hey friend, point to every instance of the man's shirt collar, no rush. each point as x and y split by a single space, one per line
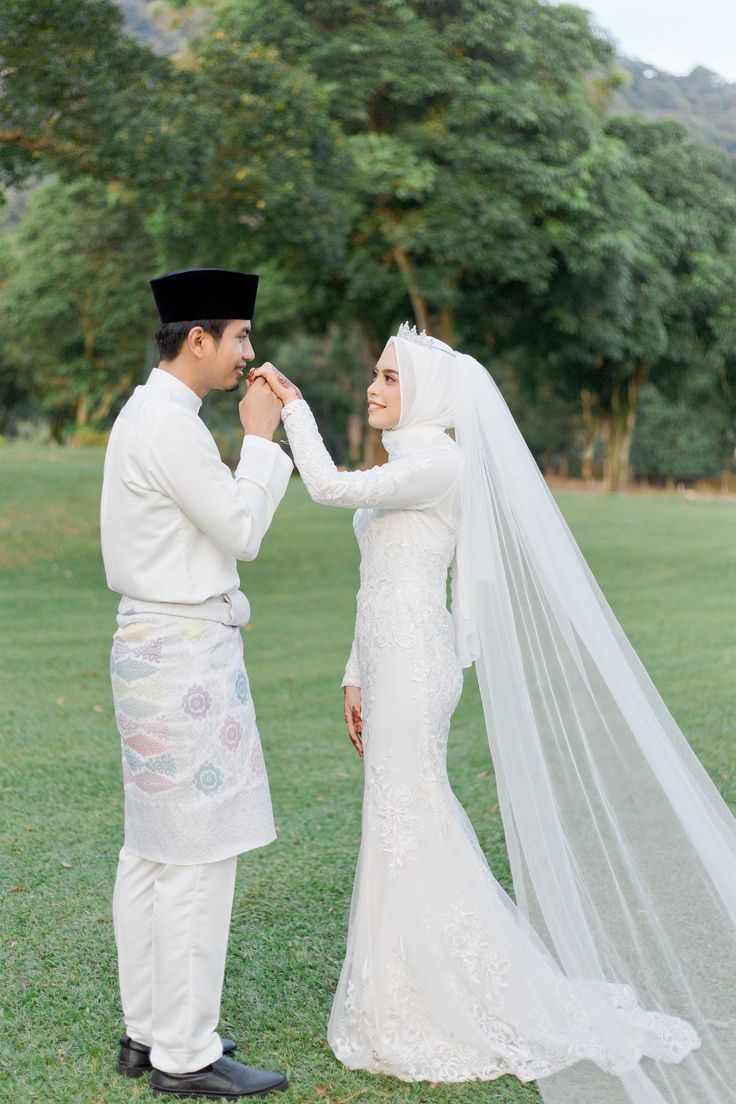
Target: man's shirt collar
165 381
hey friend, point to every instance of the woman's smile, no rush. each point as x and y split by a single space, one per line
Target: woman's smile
384 412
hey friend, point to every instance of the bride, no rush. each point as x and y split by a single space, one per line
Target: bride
612 977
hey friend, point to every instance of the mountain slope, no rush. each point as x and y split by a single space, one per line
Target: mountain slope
702 101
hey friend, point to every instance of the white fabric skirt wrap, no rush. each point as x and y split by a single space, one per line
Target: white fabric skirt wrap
196 788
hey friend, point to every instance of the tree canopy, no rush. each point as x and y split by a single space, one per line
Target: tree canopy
448 161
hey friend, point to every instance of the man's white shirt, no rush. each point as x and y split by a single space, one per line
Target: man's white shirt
174 519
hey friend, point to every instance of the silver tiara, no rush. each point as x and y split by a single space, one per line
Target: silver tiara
410 333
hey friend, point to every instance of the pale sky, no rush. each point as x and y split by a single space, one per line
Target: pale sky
675 35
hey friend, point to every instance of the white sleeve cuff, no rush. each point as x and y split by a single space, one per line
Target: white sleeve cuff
352 669
264 462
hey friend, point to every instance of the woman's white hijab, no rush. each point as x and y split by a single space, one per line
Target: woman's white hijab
426 379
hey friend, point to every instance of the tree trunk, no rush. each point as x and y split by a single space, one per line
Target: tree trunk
108 398
373 451
82 414
446 326
564 470
418 305
355 437
592 426
729 460
624 403
56 427
89 350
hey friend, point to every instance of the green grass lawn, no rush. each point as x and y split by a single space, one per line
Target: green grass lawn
667 565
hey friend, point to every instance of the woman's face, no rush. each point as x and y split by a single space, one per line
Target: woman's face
384 393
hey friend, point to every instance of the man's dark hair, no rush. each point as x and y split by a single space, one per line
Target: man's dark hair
171 336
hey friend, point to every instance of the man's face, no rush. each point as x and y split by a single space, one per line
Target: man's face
229 357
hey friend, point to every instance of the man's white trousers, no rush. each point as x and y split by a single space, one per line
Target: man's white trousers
171 929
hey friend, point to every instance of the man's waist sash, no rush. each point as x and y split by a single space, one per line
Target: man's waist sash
231 608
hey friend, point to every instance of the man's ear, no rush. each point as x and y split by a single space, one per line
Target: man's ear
196 341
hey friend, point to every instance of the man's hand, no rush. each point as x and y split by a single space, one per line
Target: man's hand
281 386
353 717
260 410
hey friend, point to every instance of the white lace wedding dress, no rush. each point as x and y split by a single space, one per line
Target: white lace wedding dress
443 979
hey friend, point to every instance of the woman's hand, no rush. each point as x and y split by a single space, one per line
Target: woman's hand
282 387
353 718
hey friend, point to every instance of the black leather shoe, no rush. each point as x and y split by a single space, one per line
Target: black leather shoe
134 1058
223 1080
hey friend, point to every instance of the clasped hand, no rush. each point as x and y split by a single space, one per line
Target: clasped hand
280 384
268 392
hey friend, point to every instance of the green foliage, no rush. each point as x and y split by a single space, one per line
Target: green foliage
87 437
227 147
75 316
549 421
642 273
271 187
333 388
459 157
685 438
638 270
83 97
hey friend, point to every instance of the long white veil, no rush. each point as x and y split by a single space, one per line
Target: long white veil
622 851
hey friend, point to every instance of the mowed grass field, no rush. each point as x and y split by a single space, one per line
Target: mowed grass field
668 567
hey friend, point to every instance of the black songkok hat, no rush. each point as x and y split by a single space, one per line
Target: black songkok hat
204 293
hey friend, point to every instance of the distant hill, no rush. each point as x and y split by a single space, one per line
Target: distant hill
703 102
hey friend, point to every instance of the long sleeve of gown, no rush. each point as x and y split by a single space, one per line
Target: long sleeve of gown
352 669
411 482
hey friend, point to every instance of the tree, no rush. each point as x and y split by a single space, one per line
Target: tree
229 148
723 323
638 276
274 188
671 444
465 123
446 160
75 315
80 96
217 167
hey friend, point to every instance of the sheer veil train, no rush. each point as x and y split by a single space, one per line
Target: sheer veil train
623 853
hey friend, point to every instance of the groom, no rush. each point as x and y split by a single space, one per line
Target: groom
174 520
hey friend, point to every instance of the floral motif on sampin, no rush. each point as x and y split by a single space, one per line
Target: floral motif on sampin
209 779
196 702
